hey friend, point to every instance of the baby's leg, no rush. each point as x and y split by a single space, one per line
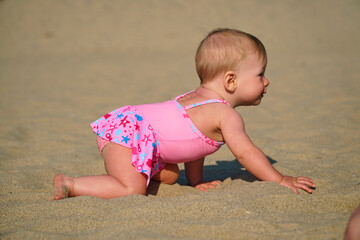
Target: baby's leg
122 178
168 175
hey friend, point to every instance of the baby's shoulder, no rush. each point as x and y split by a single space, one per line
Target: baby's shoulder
230 117
227 111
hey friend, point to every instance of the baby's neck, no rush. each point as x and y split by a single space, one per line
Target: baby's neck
208 91
213 90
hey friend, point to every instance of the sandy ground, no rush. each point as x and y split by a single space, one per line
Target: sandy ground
65 63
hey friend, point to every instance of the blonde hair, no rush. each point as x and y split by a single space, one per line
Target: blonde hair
223 49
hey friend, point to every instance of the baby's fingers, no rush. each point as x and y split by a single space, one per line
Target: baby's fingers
201 188
216 182
205 186
295 186
304 187
305 180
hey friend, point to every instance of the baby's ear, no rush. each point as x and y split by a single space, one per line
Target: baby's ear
230 81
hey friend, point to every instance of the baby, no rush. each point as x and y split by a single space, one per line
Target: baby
352 231
144 142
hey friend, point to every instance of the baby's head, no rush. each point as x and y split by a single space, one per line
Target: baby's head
223 50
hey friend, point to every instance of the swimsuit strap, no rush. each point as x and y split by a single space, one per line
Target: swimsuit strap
200 103
178 97
206 102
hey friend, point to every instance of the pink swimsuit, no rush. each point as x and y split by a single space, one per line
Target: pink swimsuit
157 133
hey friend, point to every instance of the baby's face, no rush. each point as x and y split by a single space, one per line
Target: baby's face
251 81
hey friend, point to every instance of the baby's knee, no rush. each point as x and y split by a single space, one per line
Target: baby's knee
135 190
172 173
168 175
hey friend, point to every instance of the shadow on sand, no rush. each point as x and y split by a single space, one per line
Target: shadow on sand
221 171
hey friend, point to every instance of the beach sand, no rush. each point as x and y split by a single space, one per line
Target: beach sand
64 64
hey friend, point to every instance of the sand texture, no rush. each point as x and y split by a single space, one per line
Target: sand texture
63 64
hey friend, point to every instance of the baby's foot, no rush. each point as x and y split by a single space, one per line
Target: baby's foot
62 187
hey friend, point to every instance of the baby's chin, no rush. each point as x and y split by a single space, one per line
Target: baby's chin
257 102
253 102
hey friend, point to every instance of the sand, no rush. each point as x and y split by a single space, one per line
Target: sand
65 63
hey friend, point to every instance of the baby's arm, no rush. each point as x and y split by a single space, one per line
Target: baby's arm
252 158
194 175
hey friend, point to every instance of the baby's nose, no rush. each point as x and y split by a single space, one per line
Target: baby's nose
266 82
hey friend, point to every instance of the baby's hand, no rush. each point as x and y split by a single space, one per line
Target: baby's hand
297 182
207 185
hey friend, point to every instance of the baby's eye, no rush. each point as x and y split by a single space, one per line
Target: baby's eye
261 74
